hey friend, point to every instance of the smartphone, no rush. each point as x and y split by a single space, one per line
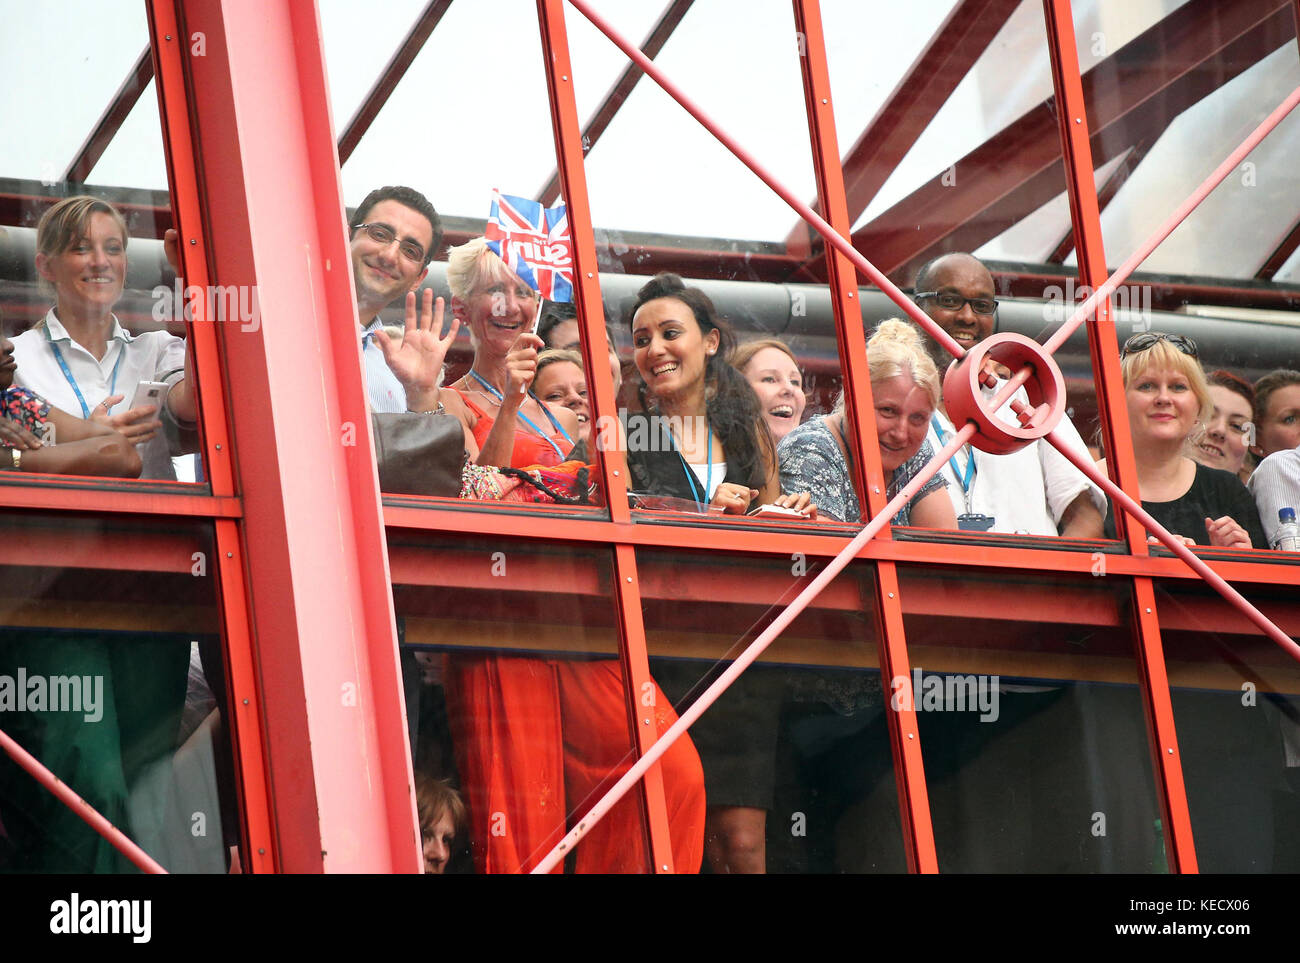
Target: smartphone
775 511
148 393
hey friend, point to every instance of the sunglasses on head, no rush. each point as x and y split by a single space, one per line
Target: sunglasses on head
1141 342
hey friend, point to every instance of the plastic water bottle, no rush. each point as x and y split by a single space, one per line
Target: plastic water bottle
1287 536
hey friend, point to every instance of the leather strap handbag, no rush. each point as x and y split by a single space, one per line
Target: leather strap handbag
418 454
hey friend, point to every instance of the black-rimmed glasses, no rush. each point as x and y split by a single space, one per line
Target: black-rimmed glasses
383 235
951 301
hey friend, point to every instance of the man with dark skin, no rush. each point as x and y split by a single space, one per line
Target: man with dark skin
1035 491
1006 804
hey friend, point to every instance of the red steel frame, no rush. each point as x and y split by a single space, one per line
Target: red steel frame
266 541
1085 212
613 467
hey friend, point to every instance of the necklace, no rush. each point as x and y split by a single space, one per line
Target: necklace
499 398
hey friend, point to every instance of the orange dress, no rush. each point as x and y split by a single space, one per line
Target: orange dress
539 741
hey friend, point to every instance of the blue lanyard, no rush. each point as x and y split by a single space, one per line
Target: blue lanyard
952 460
112 388
524 418
691 478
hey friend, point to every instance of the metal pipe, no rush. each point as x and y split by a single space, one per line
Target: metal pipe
85 810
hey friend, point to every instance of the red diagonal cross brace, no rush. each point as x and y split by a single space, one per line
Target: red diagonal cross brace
965 433
79 806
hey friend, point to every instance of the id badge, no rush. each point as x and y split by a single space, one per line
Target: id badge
975 523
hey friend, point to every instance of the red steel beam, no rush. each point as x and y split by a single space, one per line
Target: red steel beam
1085 216
621 90
633 653
820 540
1174 64
913 798
245 722
924 88
338 757
93 818
1105 194
391 76
1280 254
106 128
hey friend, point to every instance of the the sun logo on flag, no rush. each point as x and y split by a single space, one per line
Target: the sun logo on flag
534 243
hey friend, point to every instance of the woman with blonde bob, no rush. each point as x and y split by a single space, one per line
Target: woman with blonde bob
81 359
1168 404
905 390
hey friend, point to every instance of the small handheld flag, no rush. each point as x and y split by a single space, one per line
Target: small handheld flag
534 243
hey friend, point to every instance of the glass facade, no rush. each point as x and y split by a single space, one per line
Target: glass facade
396 565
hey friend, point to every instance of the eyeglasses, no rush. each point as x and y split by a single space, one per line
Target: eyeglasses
950 301
1141 342
383 235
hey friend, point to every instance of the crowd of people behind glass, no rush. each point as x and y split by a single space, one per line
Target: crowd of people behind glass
715 427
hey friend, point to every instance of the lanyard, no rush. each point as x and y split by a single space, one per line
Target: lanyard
524 418
952 460
691 478
67 373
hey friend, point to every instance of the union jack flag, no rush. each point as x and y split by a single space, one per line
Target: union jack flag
534 242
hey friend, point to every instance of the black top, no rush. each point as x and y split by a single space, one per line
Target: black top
656 465
1214 493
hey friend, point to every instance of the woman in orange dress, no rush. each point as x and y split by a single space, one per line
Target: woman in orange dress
537 740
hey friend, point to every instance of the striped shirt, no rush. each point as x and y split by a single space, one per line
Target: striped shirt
1276 484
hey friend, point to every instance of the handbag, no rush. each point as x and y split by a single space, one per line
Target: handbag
418 454
564 484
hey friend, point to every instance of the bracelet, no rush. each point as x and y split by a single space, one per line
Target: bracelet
17 457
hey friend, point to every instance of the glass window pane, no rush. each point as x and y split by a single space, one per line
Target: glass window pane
112 674
1031 722
796 756
429 234
516 698
96 315
979 173
1236 702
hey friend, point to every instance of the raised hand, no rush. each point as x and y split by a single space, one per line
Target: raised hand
521 365
417 361
137 425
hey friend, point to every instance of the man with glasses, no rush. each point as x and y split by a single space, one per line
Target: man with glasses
394 234
1034 491
1009 792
